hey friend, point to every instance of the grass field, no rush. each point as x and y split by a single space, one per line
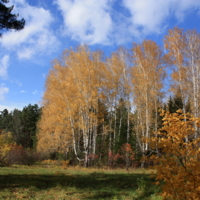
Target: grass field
36 182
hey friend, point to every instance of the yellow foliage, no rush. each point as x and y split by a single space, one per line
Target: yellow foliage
65 163
49 162
4 150
5 140
179 163
71 100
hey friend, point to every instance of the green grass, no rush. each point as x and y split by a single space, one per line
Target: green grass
21 182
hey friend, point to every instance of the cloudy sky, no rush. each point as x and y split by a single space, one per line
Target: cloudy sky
55 25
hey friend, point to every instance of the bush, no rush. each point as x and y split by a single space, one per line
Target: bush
179 163
6 140
30 157
15 155
4 150
18 155
125 157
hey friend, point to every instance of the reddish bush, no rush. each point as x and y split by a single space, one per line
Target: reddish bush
127 155
93 156
19 155
15 155
124 158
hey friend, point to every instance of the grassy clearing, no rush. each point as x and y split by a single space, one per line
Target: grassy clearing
21 182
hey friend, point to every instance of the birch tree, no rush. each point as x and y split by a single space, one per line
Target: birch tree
183 53
118 88
71 96
175 44
147 77
192 52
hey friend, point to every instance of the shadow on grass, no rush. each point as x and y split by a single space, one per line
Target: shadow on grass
97 185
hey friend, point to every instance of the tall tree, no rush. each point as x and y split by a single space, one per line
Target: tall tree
29 117
174 42
72 93
183 54
147 78
118 87
6 118
191 53
16 126
22 124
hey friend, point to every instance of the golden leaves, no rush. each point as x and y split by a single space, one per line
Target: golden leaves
179 161
71 98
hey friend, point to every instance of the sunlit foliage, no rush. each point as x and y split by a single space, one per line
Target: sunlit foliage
179 161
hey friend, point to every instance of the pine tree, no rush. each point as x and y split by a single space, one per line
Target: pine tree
8 20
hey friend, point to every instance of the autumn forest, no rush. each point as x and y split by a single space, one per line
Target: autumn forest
137 108
99 108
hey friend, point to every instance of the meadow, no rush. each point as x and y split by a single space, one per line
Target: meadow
74 183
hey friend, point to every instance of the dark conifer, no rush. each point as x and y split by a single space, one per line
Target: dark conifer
8 20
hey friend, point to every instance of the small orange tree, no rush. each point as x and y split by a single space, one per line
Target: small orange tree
127 154
6 139
178 165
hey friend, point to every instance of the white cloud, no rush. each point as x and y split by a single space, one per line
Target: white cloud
22 91
35 92
16 81
87 21
3 91
26 52
10 108
182 7
149 16
99 22
92 22
36 37
4 63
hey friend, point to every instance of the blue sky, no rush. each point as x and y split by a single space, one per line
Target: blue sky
55 25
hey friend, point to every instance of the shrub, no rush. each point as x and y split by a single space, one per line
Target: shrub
127 155
4 150
179 163
6 140
113 159
18 155
65 163
30 157
15 155
124 158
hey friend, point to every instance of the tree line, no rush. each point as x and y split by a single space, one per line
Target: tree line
93 105
22 124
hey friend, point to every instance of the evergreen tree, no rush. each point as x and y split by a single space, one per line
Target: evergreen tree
122 117
8 20
175 104
16 126
30 115
22 124
5 120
